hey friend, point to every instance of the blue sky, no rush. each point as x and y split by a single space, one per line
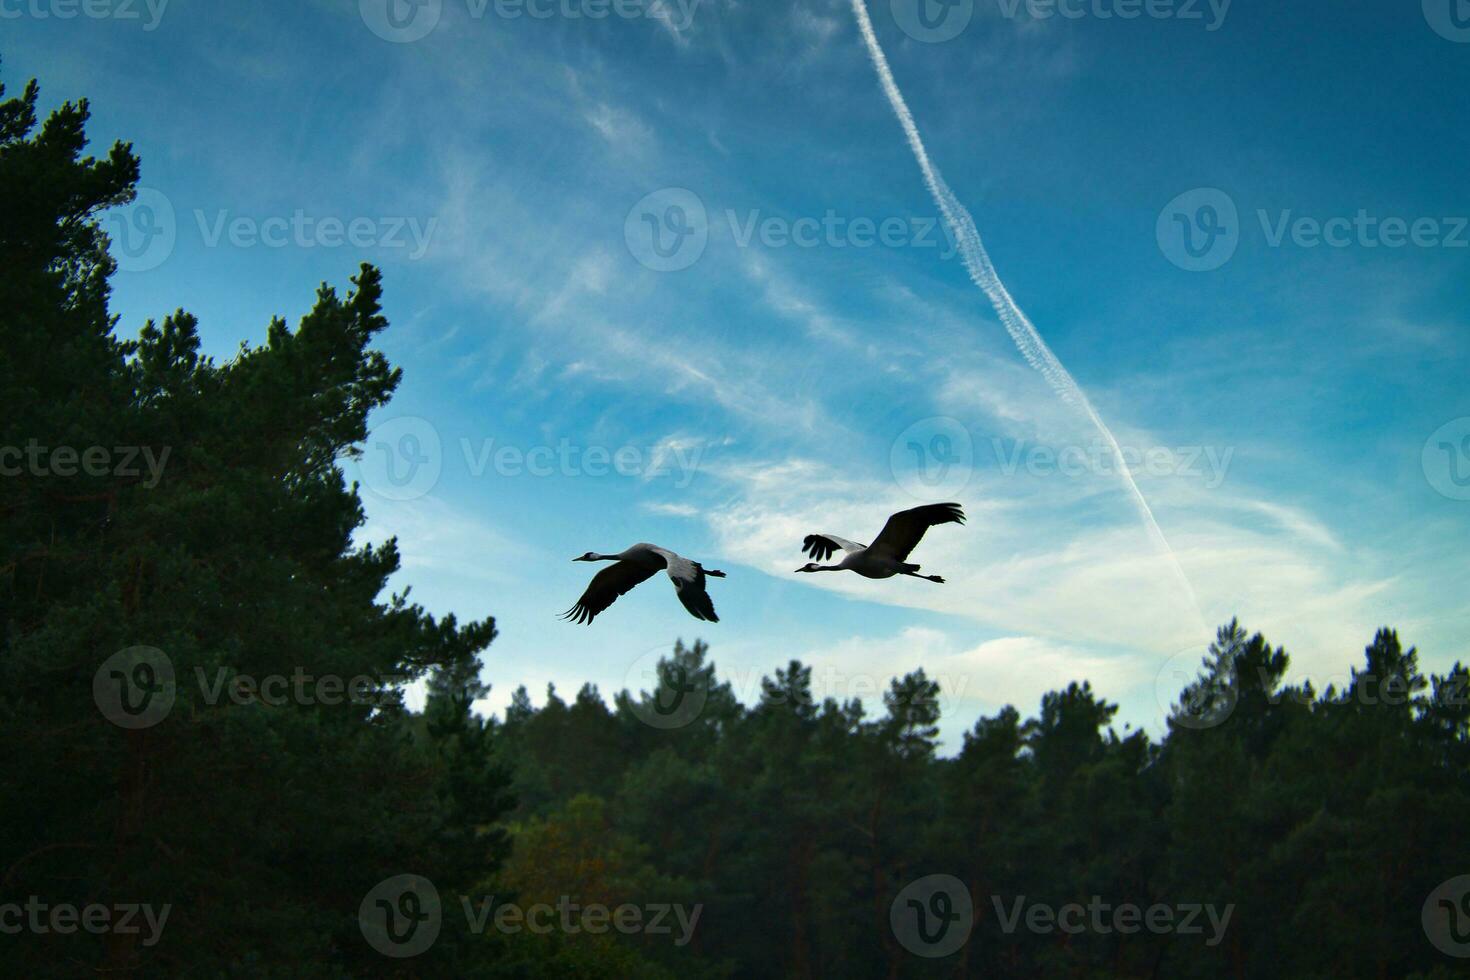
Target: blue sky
1284 407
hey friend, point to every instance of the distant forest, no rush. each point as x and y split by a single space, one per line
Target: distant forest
168 813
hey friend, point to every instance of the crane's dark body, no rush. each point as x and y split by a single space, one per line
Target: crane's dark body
636 565
887 555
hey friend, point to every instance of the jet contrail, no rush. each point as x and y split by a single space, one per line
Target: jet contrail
982 272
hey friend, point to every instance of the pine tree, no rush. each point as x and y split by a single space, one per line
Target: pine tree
282 780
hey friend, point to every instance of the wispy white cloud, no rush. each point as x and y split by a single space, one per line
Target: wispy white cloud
973 679
815 29
621 128
788 300
676 17
445 541
671 510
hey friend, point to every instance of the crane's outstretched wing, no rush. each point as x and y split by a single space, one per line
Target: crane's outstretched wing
688 579
822 546
607 585
905 529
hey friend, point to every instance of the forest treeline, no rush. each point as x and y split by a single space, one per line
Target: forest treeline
168 812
